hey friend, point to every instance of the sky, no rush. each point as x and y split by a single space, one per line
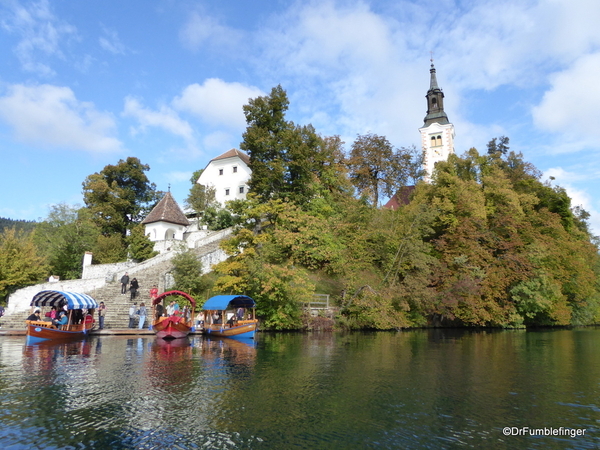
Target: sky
84 84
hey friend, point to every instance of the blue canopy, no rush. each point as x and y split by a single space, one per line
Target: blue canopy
73 300
221 302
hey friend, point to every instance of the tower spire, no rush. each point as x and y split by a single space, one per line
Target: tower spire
435 101
437 134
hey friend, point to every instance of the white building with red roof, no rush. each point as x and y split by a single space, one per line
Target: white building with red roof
166 221
228 174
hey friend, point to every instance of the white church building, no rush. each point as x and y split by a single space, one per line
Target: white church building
228 174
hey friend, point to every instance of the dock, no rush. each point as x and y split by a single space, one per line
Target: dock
104 332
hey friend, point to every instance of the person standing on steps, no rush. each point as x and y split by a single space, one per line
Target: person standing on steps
124 283
101 314
153 294
133 288
142 315
132 315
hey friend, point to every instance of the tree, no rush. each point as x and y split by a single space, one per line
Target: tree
263 140
64 236
120 196
200 196
140 246
20 262
187 272
376 168
110 249
288 161
498 145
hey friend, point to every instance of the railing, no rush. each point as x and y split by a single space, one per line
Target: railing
320 301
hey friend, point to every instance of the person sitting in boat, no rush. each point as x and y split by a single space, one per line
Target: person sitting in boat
77 316
231 321
217 318
171 309
63 319
159 311
35 315
240 313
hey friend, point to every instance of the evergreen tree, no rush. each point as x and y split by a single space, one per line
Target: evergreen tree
140 246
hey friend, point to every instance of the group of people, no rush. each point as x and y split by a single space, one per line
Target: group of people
134 286
137 313
57 317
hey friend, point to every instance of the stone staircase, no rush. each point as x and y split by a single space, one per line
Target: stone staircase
117 304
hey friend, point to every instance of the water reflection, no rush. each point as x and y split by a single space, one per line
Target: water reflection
422 389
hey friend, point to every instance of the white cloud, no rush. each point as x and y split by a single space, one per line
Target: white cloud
217 102
571 104
164 118
111 42
178 176
218 142
40 34
579 197
47 115
204 31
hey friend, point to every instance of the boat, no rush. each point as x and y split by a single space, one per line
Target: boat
45 330
228 316
175 326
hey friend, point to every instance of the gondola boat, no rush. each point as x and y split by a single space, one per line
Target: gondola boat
42 330
222 317
175 326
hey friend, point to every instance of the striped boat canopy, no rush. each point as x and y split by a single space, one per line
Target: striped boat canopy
73 300
222 302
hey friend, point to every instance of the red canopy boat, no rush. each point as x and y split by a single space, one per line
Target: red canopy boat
174 326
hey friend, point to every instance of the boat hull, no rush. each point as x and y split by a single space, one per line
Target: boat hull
244 331
171 327
39 331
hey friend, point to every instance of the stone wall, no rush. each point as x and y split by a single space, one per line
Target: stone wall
19 300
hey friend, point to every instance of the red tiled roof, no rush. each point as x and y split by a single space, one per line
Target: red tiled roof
167 210
233 153
400 198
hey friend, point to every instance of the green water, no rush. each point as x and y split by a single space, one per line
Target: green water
417 389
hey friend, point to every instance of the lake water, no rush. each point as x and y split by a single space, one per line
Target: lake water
415 389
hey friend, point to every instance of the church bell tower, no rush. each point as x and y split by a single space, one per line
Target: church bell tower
437 133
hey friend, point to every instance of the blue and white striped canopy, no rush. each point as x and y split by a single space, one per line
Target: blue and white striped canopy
73 300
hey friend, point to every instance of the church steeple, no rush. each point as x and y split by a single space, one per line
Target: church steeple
437 134
435 102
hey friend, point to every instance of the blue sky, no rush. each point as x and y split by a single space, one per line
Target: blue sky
84 84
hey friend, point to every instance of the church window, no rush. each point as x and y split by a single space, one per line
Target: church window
241 189
220 171
436 141
226 191
234 169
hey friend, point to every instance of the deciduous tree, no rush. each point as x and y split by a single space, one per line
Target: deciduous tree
20 261
120 195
